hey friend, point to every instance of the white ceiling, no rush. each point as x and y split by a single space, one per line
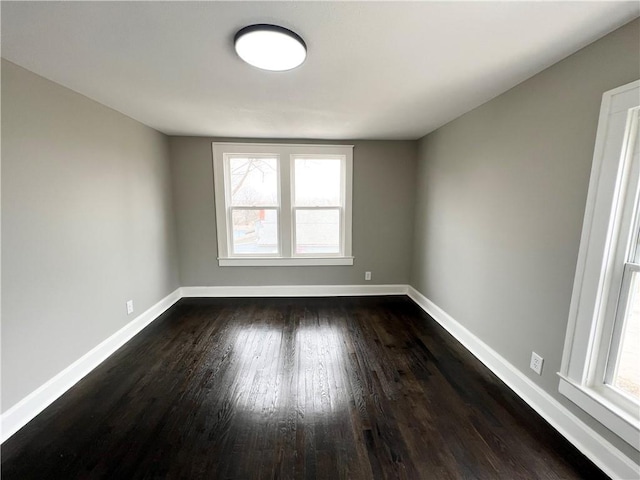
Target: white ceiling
375 70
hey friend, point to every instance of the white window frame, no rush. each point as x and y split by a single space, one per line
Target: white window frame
599 284
286 153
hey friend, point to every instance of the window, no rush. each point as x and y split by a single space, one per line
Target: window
280 204
601 362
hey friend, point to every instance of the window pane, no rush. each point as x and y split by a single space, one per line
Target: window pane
254 181
317 231
255 232
317 182
627 376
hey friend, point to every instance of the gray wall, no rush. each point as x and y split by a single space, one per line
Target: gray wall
87 224
501 195
383 201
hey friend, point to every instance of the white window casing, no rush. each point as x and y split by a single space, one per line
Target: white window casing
605 267
285 207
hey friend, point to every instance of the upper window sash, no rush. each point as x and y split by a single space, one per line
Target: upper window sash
269 162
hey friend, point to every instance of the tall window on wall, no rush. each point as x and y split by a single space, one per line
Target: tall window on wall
283 204
601 363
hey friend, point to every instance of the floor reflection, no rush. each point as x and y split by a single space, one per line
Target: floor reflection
282 370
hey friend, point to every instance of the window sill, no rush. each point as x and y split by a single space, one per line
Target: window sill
599 407
284 262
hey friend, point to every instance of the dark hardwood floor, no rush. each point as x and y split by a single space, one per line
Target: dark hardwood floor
324 388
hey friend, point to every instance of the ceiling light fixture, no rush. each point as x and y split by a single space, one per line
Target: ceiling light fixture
270 47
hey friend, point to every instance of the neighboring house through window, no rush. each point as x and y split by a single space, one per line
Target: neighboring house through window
283 204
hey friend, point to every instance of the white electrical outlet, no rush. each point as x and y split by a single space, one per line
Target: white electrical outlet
129 307
367 275
536 363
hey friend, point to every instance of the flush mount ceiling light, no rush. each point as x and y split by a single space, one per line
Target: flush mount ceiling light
270 47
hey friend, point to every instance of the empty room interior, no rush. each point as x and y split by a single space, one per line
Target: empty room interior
320 240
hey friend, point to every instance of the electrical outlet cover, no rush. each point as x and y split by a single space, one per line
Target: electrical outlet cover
536 363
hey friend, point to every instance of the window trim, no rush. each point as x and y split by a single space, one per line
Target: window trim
590 323
286 154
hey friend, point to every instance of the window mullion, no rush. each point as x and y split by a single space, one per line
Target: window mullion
286 212
228 242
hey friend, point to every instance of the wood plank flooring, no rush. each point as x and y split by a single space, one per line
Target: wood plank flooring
326 388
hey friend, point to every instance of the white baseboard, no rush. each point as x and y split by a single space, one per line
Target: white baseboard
590 443
26 409
294 291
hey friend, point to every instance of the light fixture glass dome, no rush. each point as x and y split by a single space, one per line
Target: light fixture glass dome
270 47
